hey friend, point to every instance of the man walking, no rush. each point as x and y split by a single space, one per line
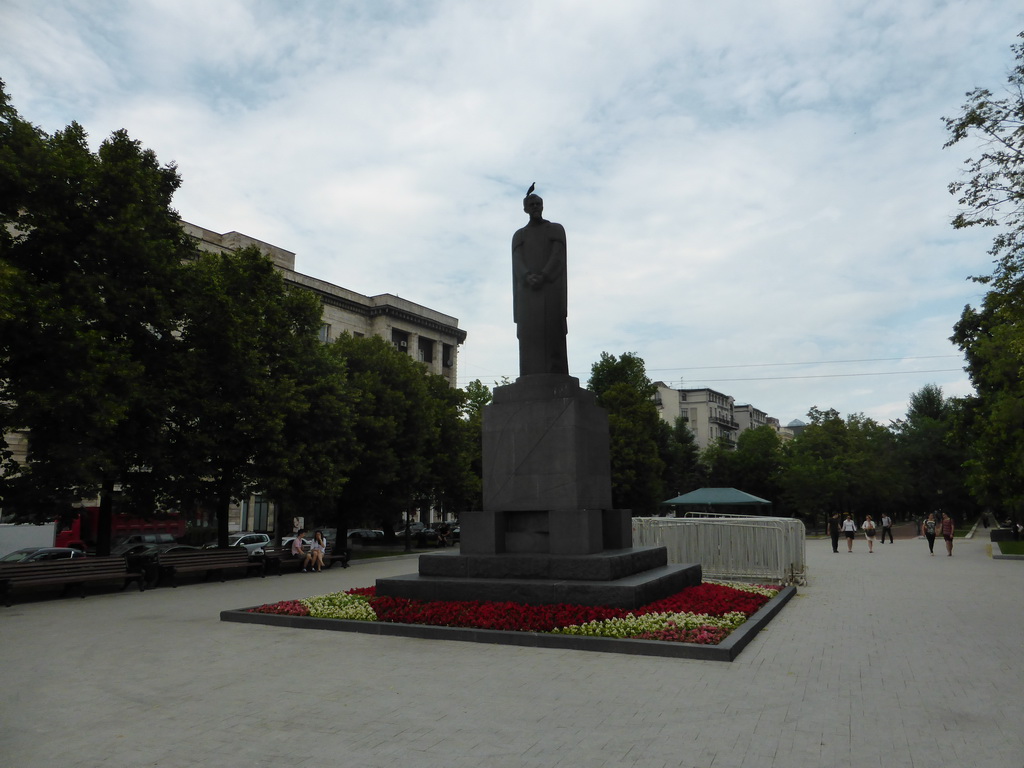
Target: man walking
887 527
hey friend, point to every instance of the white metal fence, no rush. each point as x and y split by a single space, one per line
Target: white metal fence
763 549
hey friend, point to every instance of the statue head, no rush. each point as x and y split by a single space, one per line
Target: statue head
533 205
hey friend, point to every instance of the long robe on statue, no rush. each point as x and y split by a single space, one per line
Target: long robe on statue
540 297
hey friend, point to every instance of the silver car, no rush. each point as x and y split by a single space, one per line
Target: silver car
253 542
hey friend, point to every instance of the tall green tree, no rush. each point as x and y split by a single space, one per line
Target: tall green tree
453 484
678 449
991 194
305 472
90 250
623 388
239 378
758 465
840 465
477 397
932 448
394 430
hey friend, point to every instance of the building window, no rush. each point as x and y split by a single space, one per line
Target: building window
426 350
325 333
448 355
261 514
400 339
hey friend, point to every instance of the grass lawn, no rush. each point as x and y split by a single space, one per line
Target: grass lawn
1011 547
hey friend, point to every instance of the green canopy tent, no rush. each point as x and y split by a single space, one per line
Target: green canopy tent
718 501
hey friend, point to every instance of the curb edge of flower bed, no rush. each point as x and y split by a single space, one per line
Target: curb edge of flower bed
727 650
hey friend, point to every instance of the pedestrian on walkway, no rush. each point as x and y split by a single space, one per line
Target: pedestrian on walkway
835 526
849 530
947 532
869 533
887 527
929 532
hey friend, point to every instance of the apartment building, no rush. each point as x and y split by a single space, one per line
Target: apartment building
712 415
709 413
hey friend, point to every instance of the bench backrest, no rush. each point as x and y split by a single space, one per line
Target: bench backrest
235 554
84 566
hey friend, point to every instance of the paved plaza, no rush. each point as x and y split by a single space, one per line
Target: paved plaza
886 659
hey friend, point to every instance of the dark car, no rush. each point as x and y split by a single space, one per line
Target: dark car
362 535
36 554
136 542
144 560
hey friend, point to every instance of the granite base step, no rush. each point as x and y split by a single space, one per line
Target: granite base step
628 592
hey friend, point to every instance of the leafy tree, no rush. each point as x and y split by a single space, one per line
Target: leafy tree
453 483
394 430
838 465
678 449
931 447
239 379
90 252
759 462
992 337
308 468
992 192
623 388
476 396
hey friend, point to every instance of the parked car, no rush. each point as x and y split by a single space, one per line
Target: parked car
365 535
143 540
144 560
253 542
36 554
426 537
414 528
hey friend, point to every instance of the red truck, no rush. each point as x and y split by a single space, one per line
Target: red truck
79 530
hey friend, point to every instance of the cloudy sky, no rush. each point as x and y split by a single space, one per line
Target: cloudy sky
754 191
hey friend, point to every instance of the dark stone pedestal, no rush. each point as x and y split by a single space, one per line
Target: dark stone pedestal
625 578
547 533
545 447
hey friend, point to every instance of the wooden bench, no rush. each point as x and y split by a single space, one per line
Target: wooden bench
278 559
73 572
208 561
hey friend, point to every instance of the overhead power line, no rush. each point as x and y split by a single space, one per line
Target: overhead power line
809 362
827 375
581 374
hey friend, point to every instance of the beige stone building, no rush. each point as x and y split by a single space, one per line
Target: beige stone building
425 334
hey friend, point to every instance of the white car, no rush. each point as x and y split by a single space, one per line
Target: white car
253 542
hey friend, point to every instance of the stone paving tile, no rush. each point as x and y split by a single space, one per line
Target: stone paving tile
889 659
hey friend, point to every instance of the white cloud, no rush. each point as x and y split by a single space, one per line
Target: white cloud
742 183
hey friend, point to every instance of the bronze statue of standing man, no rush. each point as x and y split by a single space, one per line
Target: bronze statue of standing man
539 292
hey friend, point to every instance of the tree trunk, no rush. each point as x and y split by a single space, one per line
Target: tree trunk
105 519
223 508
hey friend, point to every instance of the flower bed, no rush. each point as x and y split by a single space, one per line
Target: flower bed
705 614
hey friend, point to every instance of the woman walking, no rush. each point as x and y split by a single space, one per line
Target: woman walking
929 532
947 532
849 530
869 533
